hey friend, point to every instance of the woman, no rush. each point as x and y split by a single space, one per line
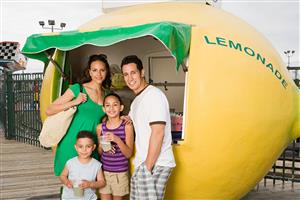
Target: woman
95 81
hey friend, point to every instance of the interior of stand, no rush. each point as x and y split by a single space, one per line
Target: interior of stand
159 66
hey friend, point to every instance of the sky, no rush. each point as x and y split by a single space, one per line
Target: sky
19 19
277 20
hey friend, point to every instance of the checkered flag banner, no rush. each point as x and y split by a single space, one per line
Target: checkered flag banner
10 56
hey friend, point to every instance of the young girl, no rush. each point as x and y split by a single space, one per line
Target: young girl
82 174
115 161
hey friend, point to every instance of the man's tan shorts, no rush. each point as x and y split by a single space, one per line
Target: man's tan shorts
117 183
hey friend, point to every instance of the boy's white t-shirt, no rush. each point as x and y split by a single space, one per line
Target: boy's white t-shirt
151 105
80 171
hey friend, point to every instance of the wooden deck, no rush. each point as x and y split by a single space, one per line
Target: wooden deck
26 172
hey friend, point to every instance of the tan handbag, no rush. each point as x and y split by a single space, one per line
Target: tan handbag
55 127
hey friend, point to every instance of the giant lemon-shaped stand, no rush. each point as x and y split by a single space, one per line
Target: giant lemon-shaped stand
241 109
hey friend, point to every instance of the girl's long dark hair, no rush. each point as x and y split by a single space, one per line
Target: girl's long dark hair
86 75
114 95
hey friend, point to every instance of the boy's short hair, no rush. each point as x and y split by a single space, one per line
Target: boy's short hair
85 134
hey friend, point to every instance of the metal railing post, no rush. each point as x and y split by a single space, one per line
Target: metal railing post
10 107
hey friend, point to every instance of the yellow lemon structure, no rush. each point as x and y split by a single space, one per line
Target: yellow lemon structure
241 108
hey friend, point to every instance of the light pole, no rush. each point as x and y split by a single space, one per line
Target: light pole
294 70
289 54
51 23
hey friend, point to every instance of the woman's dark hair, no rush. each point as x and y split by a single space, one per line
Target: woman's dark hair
132 59
86 75
85 134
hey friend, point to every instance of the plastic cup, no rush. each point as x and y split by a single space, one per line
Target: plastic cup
78 192
106 145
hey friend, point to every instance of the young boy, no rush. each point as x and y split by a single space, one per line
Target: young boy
83 169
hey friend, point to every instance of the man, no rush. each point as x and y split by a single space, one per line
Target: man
149 112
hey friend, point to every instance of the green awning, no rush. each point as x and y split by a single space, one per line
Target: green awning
175 36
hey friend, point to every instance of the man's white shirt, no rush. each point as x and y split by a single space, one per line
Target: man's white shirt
151 105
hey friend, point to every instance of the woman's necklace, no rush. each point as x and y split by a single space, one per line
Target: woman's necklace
98 97
91 88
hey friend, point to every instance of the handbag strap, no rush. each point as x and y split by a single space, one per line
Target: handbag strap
81 88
